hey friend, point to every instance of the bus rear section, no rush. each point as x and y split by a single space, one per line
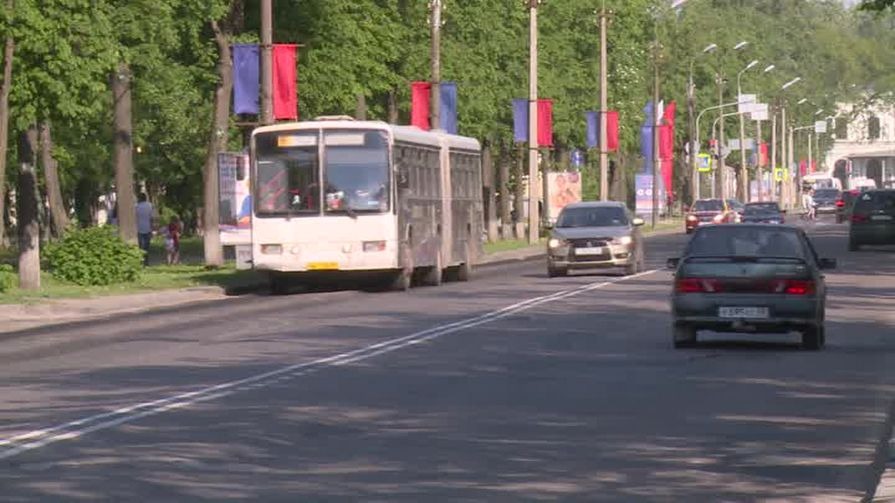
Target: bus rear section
323 201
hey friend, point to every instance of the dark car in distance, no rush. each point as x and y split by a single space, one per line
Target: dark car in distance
763 213
825 200
872 219
845 203
749 278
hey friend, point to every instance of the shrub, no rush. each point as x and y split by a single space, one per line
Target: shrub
8 278
94 256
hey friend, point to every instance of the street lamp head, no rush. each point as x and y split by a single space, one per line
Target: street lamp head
741 45
752 64
677 3
710 48
791 82
769 68
819 111
802 101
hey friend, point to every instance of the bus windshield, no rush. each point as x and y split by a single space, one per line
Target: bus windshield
287 173
356 171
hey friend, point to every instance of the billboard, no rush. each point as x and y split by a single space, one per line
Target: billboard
563 188
235 200
643 189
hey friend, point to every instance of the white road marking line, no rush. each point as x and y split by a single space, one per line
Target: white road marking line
37 439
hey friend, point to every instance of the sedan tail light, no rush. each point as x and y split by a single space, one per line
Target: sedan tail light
711 285
859 218
840 203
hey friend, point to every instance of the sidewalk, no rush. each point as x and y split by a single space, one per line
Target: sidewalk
16 317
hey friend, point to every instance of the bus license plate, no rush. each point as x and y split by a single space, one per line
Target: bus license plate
744 312
323 266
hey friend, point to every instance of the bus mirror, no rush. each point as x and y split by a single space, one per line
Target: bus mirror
403 180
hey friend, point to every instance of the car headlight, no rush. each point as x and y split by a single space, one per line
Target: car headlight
554 243
692 218
624 240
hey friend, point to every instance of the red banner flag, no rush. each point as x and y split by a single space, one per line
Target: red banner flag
419 104
545 123
285 93
666 146
763 155
612 131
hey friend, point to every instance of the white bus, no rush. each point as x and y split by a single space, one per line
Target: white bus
335 196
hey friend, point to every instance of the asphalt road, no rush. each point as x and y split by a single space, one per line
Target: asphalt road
512 387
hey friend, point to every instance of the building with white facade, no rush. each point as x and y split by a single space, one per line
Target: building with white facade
863 152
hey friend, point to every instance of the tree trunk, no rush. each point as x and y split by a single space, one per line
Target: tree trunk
214 254
58 213
503 188
360 111
124 154
5 86
393 106
27 214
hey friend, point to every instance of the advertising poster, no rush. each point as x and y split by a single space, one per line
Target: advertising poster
643 189
563 188
235 199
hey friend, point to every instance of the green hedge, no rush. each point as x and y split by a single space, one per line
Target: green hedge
94 256
8 278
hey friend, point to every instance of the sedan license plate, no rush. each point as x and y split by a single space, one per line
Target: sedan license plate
881 218
744 312
590 251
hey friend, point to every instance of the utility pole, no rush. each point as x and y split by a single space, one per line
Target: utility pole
743 186
691 125
604 152
435 61
773 153
810 158
266 62
783 193
719 170
793 190
533 223
758 176
655 123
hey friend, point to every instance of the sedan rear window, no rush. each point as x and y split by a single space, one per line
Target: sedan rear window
708 205
761 208
876 201
742 241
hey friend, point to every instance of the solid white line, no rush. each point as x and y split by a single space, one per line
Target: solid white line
42 437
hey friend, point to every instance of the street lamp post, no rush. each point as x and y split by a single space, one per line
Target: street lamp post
720 172
783 141
691 112
743 186
533 223
758 142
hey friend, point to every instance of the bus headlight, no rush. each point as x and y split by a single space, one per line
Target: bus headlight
272 249
374 246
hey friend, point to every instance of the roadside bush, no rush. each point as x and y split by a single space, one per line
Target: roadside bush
8 278
94 256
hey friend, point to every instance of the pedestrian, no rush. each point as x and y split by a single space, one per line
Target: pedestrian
144 225
172 240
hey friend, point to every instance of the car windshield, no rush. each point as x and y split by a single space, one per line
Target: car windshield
708 205
599 216
356 171
761 208
826 194
746 241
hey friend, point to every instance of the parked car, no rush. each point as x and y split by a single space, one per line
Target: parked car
872 219
595 235
749 278
825 200
844 205
763 213
707 212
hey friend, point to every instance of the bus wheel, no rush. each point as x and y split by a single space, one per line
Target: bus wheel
403 279
434 275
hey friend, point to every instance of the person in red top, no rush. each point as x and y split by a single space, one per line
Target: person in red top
172 241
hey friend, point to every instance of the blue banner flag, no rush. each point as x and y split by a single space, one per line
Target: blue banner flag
520 120
246 83
593 129
448 118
